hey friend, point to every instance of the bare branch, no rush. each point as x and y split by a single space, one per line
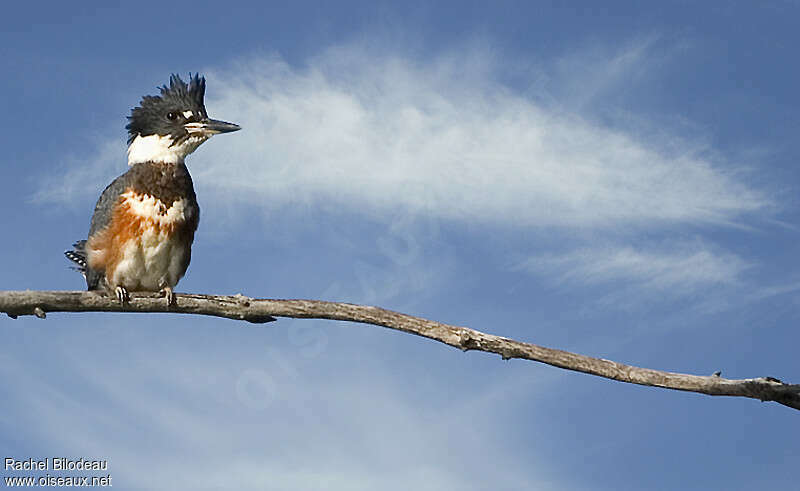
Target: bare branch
239 307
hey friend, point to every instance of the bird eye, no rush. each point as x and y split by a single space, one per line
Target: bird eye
172 116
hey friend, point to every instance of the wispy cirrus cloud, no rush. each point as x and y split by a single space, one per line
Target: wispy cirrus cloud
679 268
376 133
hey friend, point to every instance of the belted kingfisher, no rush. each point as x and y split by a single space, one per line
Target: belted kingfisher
143 226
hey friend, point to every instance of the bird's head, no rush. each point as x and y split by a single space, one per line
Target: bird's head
170 126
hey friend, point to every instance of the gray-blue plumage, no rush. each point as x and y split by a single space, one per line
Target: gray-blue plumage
105 204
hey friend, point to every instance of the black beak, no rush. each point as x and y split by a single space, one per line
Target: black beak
215 126
210 127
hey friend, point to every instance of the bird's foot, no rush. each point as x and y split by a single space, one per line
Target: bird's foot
167 292
122 294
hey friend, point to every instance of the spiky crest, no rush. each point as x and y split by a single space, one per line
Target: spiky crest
150 116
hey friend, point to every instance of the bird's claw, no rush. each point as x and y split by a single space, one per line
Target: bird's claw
167 292
122 294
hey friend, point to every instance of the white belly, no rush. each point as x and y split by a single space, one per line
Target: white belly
156 258
150 263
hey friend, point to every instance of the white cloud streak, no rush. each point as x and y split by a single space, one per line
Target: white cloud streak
678 268
81 178
375 134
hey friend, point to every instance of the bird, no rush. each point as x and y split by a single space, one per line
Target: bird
141 233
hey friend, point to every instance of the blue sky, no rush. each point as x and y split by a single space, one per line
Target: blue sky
618 181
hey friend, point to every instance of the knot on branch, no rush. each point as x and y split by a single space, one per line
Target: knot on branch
468 342
242 300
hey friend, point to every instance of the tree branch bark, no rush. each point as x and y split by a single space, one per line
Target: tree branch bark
239 307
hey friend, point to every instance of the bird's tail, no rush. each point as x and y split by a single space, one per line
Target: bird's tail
78 256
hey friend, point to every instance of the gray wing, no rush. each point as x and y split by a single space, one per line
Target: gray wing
103 211
105 204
